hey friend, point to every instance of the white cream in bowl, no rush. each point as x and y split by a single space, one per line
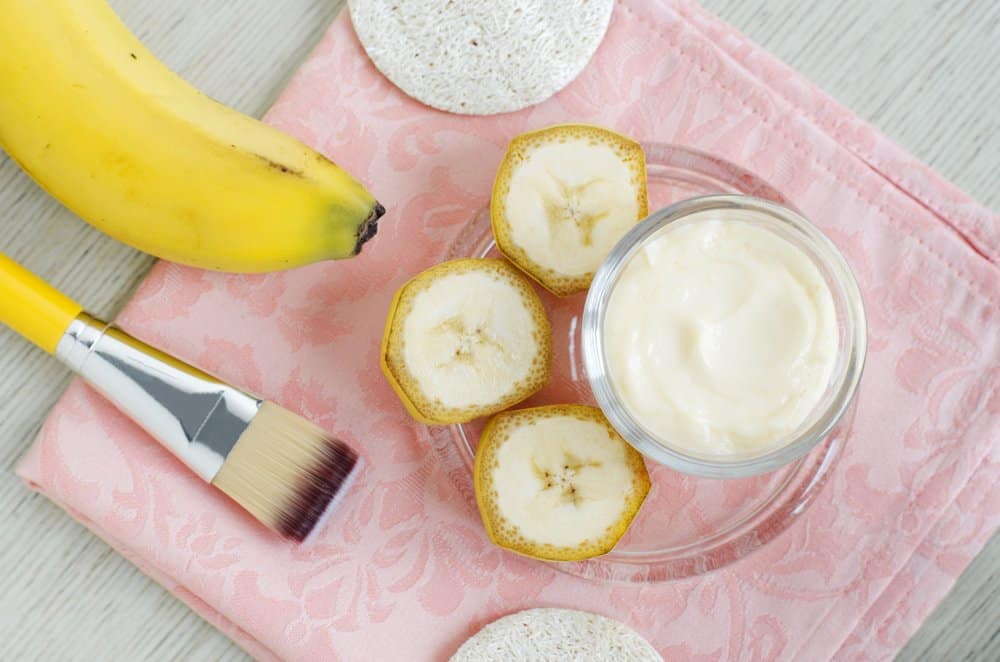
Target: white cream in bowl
721 336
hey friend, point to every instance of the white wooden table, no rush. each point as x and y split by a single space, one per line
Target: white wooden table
922 70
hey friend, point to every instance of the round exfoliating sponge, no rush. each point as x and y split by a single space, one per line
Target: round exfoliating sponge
535 635
480 57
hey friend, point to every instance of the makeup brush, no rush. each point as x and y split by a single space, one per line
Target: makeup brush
285 471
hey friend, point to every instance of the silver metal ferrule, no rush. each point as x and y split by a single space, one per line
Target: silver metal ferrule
197 417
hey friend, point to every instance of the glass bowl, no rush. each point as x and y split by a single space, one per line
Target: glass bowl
850 318
689 525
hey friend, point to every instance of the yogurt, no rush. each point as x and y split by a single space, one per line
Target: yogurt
721 336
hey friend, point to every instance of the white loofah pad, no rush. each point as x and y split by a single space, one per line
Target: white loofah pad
480 57
567 635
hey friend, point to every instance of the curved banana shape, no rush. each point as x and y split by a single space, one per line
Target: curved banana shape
130 147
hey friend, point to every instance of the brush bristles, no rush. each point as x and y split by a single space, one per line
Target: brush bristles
285 471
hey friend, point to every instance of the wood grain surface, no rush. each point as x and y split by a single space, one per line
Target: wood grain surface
924 71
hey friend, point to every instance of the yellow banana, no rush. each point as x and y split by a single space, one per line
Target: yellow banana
130 147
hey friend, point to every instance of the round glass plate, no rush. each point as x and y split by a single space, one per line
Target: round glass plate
688 525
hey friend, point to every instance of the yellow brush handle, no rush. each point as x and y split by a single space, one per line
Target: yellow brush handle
32 307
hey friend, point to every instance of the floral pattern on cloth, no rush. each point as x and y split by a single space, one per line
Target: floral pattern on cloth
404 569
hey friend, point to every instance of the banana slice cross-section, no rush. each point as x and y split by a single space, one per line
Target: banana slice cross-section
464 339
563 197
557 482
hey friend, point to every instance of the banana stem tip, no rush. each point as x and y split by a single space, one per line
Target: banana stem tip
369 228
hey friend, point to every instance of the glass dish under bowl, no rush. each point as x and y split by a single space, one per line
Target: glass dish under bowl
851 326
689 525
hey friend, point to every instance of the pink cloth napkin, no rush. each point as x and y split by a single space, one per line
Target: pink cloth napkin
404 570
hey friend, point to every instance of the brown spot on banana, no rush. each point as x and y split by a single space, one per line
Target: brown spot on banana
281 167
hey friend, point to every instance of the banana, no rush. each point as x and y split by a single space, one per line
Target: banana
563 197
464 339
557 483
130 147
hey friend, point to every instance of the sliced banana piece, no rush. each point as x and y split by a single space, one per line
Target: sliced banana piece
465 339
557 482
563 197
